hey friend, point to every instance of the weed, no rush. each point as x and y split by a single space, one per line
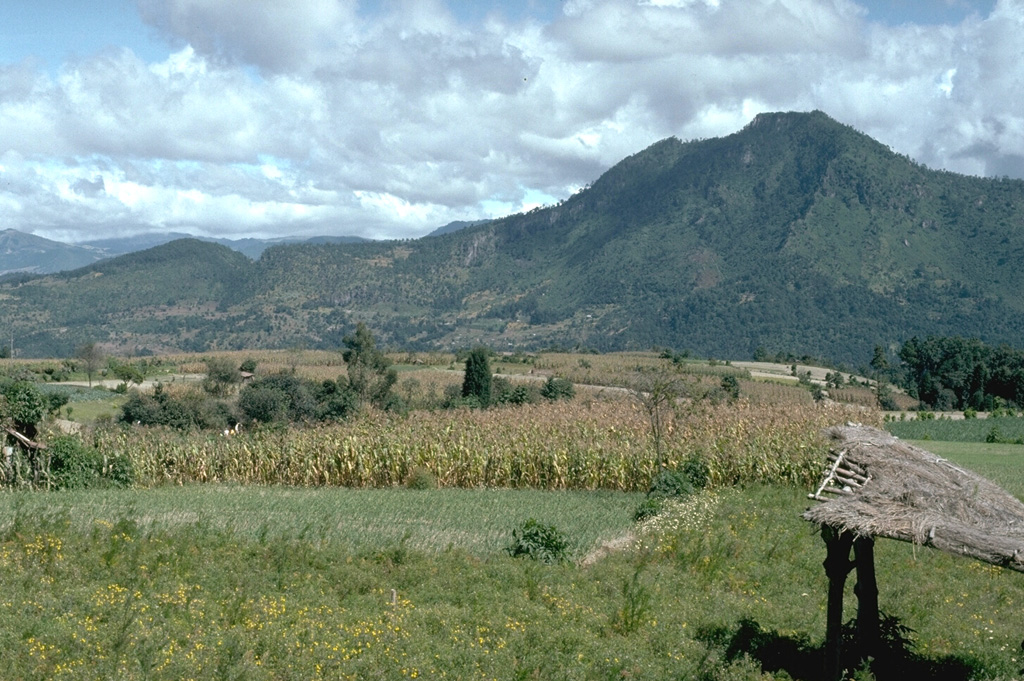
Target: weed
420 477
635 608
538 542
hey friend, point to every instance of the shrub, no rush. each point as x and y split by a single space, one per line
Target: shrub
264 404
184 411
73 465
556 388
696 470
670 483
420 477
24 405
504 392
538 542
731 386
648 508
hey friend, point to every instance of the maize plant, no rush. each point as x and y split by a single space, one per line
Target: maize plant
563 445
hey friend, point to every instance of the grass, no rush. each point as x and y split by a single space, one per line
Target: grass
962 430
477 521
1001 463
728 586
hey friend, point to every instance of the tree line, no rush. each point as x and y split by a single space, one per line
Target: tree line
947 373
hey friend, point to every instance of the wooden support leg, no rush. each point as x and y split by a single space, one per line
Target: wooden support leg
837 566
867 597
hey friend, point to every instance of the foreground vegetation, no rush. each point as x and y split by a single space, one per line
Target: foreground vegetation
726 585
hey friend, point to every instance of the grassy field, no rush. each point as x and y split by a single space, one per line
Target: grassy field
1001 463
1007 429
477 521
727 585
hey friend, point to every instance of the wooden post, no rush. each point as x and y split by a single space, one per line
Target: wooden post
867 597
837 566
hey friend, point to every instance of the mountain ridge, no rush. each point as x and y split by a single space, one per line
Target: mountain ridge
796 234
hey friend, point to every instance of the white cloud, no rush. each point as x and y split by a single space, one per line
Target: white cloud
322 116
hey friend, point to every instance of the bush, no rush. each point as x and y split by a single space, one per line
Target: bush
73 465
692 476
538 542
420 477
264 404
24 405
670 483
731 386
648 508
556 388
504 392
185 411
696 470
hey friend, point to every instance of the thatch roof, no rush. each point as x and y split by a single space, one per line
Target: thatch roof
880 486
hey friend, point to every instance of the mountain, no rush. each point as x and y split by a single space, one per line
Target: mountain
251 247
20 252
456 226
795 234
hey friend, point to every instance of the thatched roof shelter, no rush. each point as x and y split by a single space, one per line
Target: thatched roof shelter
880 486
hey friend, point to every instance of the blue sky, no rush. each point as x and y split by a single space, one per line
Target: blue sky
389 118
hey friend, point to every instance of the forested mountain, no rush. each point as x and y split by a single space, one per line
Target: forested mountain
795 234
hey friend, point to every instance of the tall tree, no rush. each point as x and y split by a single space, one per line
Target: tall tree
476 382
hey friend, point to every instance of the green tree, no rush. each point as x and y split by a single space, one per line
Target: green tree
476 382
126 372
557 388
221 376
23 406
370 375
731 385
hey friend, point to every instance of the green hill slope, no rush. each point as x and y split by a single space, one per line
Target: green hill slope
795 234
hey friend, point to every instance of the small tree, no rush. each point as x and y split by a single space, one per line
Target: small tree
557 388
369 372
880 363
221 375
476 382
126 372
657 394
731 386
23 406
92 359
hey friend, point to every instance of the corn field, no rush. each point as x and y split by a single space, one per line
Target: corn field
593 445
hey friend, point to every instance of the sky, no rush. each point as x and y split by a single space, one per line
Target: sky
389 118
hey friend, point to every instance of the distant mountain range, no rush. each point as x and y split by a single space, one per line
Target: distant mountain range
796 234
27 253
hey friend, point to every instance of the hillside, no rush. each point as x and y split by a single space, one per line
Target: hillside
795 234
20 252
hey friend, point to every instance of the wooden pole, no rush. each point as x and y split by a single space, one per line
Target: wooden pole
837 566
867 597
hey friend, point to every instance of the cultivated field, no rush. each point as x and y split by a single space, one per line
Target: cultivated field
297 553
